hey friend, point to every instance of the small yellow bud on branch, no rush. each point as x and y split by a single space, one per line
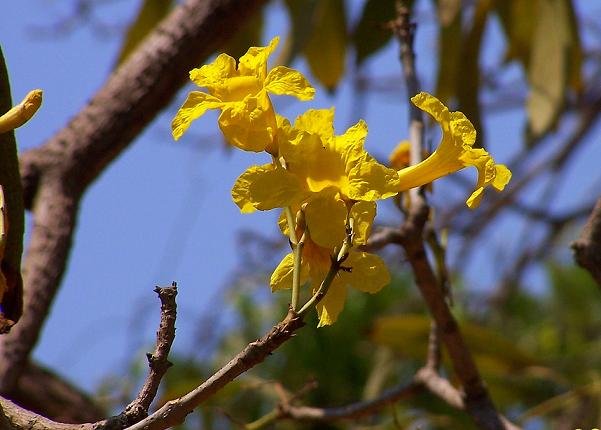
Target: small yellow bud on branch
22 112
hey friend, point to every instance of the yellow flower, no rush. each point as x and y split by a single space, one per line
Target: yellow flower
361 270
21 113
400 157
247 117
454 153
326 173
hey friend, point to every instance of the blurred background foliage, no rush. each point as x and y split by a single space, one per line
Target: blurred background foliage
537 348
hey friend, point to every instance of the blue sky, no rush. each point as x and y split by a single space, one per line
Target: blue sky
163 211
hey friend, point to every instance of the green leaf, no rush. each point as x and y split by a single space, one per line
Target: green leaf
469 69
449 51
408 335
150 14
518 19
326 48
301 14
370 35
553 42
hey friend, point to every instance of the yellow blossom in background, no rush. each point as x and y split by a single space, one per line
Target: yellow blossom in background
326 173
247 118
400 157
454 153
361 270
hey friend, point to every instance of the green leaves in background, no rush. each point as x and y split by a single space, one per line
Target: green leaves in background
408 334
450 42
370 35
553 42
319 30
543 36
459 58
150 14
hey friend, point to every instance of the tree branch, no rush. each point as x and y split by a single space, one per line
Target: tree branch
477 401
56 174
587 248
175 411
351 411
157 362
45 393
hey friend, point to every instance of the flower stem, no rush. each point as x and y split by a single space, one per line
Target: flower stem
291 225
296 274
263 421
327 281
287 210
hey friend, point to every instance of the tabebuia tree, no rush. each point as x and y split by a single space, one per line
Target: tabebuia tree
425 348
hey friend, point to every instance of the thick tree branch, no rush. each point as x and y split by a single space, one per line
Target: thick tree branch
56 174
587 248
45 393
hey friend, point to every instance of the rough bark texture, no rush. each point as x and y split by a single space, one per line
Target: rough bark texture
587 248
49 395
56 174
175 411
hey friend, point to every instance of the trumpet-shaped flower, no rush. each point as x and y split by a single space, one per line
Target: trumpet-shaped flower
361 270
247 118
324 172
454 153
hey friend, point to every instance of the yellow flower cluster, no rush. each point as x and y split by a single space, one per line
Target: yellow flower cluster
328 178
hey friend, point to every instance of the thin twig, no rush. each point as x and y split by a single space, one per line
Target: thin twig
478 403
353 410
175 411
157 361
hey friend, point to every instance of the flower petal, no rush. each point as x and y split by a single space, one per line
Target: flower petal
285 81
254 62
430 104
363 214
454 153
369 180
368 272
325 215
214 74
490 174
502 177
332 304
266 187
194 107
249 125
281 278
317 121
319 166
